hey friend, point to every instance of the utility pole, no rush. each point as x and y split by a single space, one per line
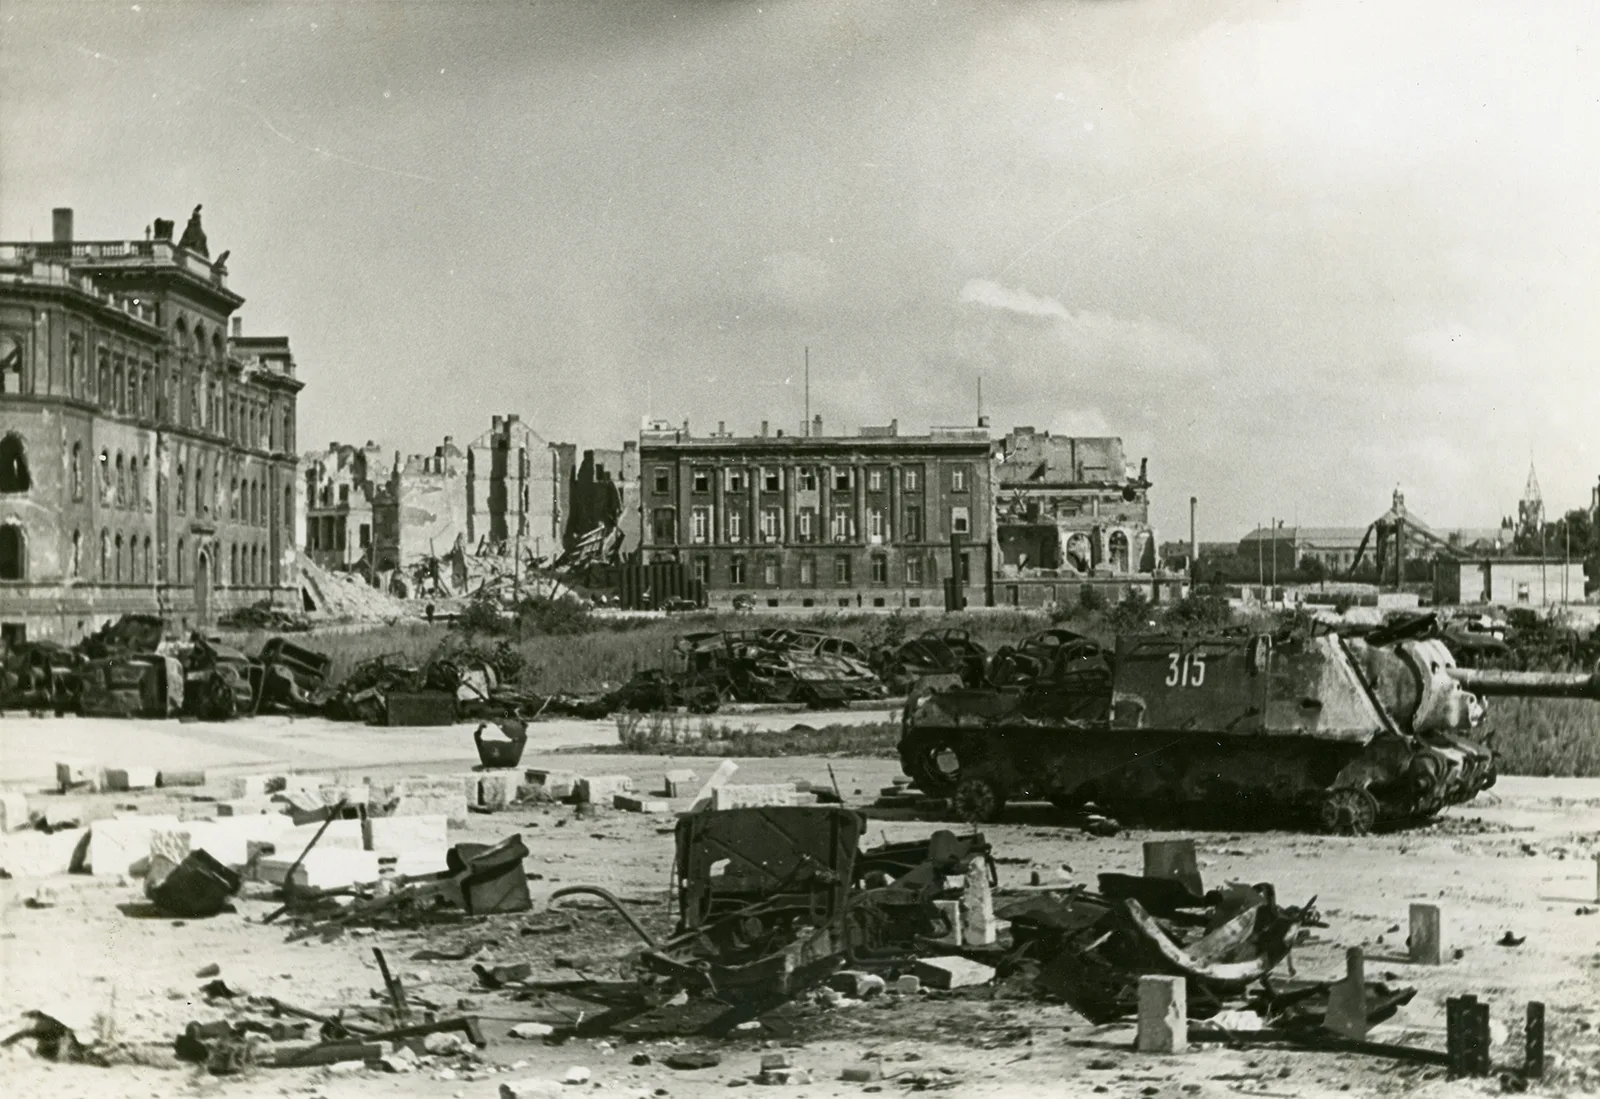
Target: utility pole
808 392
1261 568
1275 529
1194 544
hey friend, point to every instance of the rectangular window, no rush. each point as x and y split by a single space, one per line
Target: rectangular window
702 480
663 479
966 568
769 572
909 480
736 570
841 479
875 532
959 522
808 479
338 535
735 480
805 524
700 525
366 535
344 494
664 526
913 528
880 569
771 524
735 527
875 480
842 525
702 570
958 479
913 570
841 569
772 480
808 571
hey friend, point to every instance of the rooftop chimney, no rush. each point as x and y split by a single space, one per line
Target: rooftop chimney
513 417
61 225
722 427
238 327
894 426
983 421
816 426
763 429
495 422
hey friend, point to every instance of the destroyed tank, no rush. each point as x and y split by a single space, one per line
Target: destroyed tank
1301 728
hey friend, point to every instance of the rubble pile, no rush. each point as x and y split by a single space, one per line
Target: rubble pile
346 597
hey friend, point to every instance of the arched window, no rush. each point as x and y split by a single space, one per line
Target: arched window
14 476
233 499
13 552
1117 550
135 391
77 553
199 489
147 405
122 482
251 570
183 489
118 396
233 564
288 506
105 556
117 573
200 340
102 390
216 491
77 471
148 567
10 364
133 559
216 345
135 489
178 561
76 373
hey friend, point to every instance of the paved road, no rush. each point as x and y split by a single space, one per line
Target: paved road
30 747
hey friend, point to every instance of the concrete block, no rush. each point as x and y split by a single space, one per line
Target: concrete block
43 854
1163 1015
908 984
951 911
13 811
856 984
80 774
951 971
1426 945
1174 859
866 1072
131 778
496 790
534 1089
977 906
634 804
600 789
678 784
249 786
63 814
396 835
719 777
557 784
322 868
121 845
785 1076
420 861
246 807
1347 999
180 778
422 796
340 833
752 796
229 840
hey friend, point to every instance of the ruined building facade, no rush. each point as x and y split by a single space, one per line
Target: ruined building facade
820 521
517 488
340 491
147 456
421 510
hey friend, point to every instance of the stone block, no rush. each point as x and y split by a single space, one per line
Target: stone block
63 814
121 845
1347 999
420 861
600 789
719 777
866 1072
246 807
559 785
1173 859
977 906
908 984
1426 944
856 984
951 971
496 790
43 854
322 868
180 778
633 804
422 796
13 811
785 1076
533 1089
951 911
1163 1015
231 840
80 774
529 1031
678 784
249 786
397 835
340 833
130 778
752 796
770 1061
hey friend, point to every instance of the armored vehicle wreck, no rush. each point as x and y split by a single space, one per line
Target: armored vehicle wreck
1302 727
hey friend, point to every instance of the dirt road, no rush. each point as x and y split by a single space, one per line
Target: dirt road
1521 859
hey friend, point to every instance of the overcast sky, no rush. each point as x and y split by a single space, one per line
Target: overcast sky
1296 253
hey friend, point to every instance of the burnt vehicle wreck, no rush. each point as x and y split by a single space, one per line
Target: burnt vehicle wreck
1303 726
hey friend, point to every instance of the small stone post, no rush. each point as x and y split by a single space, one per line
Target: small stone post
977 905
1426 945
1533 1041
1163 1015
1347 999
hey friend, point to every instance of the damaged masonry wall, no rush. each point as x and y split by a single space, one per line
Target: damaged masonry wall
422 510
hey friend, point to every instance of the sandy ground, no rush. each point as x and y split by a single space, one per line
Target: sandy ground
1521 858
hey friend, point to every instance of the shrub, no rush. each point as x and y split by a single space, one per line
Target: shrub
1091 599
1198 612
1132 615
538 614
482 616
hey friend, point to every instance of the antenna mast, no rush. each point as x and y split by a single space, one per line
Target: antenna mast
808 392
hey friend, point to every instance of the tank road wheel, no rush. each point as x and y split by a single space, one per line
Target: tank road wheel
978 799
1348 811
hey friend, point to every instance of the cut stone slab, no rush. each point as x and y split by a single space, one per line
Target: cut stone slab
1426 944
952 971
422 796
752 796
951 911
532 1030
121 845
245 807
13 811
43 854
634 804
719 777
250 786
535 1089
330 868
131 778
495 790
977 906
80 774
1163 1015
559 785
397 835
678 784
180 778
600 789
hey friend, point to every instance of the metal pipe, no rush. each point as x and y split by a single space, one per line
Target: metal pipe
611 899
1485 681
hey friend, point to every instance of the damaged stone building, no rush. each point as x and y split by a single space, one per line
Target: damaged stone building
420 511
1068 508
812 520
517 490
605 497
340 485
147 458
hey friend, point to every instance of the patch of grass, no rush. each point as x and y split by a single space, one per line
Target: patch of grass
1545 736
680 735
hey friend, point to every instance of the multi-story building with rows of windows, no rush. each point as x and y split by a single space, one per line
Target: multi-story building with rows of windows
147 453
877 519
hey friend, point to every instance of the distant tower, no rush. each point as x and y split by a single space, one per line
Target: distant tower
1530 509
